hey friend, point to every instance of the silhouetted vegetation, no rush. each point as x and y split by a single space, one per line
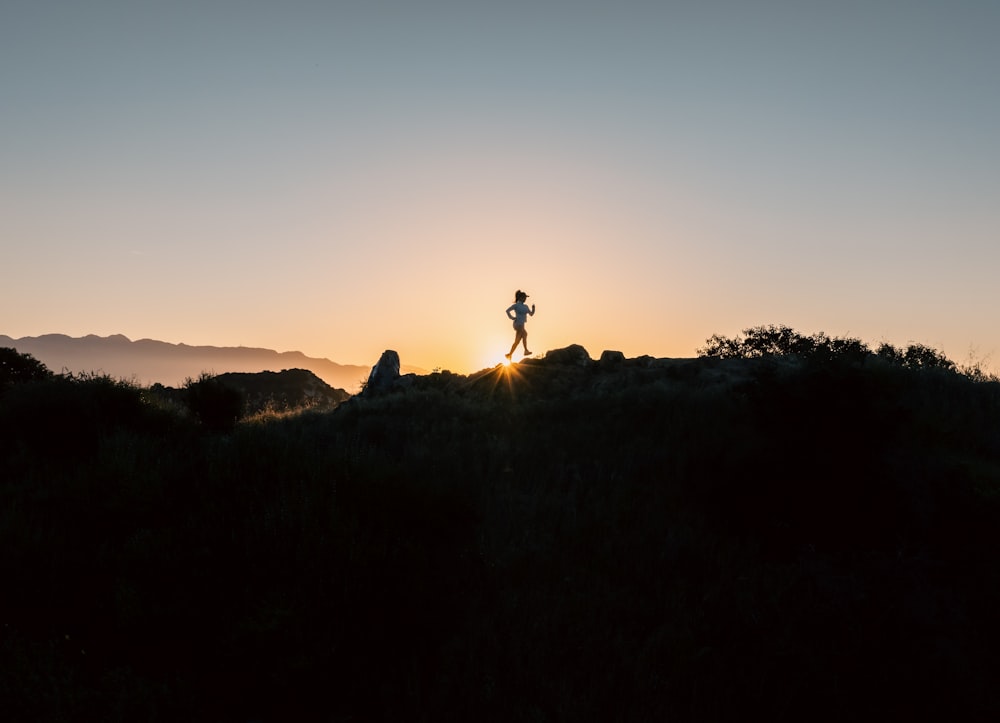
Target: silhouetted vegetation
17 368
782 535
214 403
780 340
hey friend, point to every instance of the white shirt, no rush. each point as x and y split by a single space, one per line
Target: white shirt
521 312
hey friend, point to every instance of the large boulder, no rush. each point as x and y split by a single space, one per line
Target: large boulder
572 355
385 373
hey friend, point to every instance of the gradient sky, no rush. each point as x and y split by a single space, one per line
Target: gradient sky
339 178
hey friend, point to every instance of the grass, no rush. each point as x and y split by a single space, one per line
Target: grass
717 540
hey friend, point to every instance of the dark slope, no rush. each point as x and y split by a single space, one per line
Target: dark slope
565 539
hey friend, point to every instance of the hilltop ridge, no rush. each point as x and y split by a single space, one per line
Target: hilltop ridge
572 372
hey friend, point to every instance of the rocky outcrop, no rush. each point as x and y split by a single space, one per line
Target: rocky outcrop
385 375
572 355
385 372
567 373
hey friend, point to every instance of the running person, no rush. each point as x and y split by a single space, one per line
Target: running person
520 318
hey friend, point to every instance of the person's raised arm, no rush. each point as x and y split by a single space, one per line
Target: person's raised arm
532 312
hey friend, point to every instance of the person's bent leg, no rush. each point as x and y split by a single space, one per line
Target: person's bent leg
517 340
519 335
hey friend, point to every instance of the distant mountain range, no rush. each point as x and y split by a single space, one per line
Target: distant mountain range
148 361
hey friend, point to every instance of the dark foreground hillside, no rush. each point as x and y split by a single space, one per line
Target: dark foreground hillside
625 540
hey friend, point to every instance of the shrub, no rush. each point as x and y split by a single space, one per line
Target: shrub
779 340
773 340
915 356
67 414
215 404
18 368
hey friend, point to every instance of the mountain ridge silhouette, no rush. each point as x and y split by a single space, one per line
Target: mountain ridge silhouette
150 361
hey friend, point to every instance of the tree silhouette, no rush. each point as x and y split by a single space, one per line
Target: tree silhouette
780 340
16 368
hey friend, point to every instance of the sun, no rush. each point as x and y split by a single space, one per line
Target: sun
493 359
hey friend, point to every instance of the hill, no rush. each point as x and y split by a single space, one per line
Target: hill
149 361
290 390
783 538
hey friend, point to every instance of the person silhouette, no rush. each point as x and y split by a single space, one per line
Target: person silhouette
520 318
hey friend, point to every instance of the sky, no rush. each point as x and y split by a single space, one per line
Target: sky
341 178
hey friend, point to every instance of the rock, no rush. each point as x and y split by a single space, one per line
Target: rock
385 373
572 355
611 358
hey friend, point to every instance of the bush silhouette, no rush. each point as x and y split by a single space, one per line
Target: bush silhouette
215 404
67 415
915 356
18 368
779 340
